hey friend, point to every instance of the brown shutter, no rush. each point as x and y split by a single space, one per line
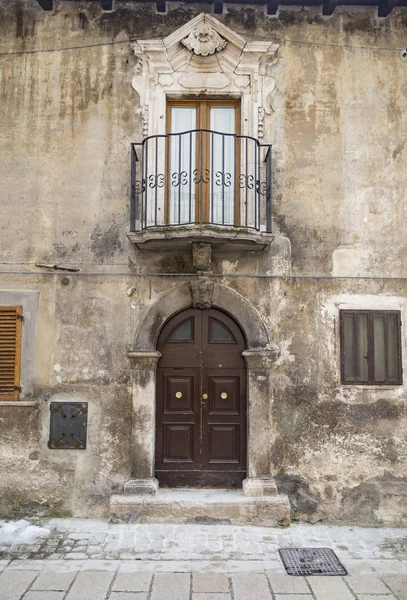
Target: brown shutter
10 348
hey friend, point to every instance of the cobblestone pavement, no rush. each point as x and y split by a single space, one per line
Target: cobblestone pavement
94 560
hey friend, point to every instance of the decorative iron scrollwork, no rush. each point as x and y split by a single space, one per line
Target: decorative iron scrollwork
139 187
224 179
156 181
179 179
201 176
247 181
261 187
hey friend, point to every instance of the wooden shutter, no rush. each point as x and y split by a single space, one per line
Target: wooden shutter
10 349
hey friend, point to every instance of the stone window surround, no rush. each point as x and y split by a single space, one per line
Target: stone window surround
28 300
168 69
335 304
144 359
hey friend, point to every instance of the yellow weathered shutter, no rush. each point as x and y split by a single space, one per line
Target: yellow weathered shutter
10 349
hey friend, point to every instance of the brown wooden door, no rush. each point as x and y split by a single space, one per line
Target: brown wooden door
201 401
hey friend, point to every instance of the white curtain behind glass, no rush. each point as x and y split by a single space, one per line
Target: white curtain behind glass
222 165
182 165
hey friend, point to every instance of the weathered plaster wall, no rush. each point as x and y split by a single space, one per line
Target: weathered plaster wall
337 121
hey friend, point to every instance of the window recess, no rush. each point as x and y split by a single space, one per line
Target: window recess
370 347
10 351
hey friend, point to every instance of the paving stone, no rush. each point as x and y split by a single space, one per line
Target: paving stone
171 586
364 597
76 555
210 582
250 585
239 566
99 565
128 596
294 597
397 584
366 584
132 582
389 566
54 580
330 587
174 566
95 548
26 565
13 585
97 538
284 584
211 596
90 586
3 564
44 596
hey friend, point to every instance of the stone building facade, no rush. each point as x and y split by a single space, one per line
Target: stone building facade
272 234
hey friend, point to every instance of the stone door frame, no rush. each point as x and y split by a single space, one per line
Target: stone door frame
144 358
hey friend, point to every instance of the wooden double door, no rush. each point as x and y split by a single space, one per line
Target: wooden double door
201 401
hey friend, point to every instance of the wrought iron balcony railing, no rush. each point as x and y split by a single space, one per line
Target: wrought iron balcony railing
201 177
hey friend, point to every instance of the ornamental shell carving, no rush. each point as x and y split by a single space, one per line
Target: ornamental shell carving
204 41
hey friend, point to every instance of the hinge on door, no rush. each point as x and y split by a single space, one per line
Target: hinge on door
21 317
17 388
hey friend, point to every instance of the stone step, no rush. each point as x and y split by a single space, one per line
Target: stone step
229 507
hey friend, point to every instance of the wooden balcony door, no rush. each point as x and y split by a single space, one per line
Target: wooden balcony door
201 402
202 162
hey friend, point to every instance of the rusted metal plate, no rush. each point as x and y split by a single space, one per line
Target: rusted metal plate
68 425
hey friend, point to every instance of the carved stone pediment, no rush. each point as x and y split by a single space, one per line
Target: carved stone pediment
201 293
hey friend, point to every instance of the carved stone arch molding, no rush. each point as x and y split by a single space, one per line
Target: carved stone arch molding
144 359
207 58
180 298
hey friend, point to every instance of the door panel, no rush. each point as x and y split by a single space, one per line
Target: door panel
223 444
179 395
225 419
178 442
201 402
223 396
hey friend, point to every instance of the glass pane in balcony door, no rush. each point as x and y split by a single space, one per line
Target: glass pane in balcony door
182 165
222 165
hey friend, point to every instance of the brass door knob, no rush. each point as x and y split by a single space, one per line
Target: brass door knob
223 395
204 396
178 395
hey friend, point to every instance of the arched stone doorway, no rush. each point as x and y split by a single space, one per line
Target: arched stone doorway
201 401
144 358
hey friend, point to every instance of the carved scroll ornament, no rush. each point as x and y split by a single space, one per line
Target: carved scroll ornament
204 41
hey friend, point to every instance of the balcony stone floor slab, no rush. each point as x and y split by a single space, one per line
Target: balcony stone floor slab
165 237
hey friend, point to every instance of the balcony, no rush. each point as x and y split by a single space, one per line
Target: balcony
200 186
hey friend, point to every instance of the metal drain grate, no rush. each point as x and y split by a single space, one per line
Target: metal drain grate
311 561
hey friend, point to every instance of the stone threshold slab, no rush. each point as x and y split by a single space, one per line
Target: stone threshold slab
229 507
